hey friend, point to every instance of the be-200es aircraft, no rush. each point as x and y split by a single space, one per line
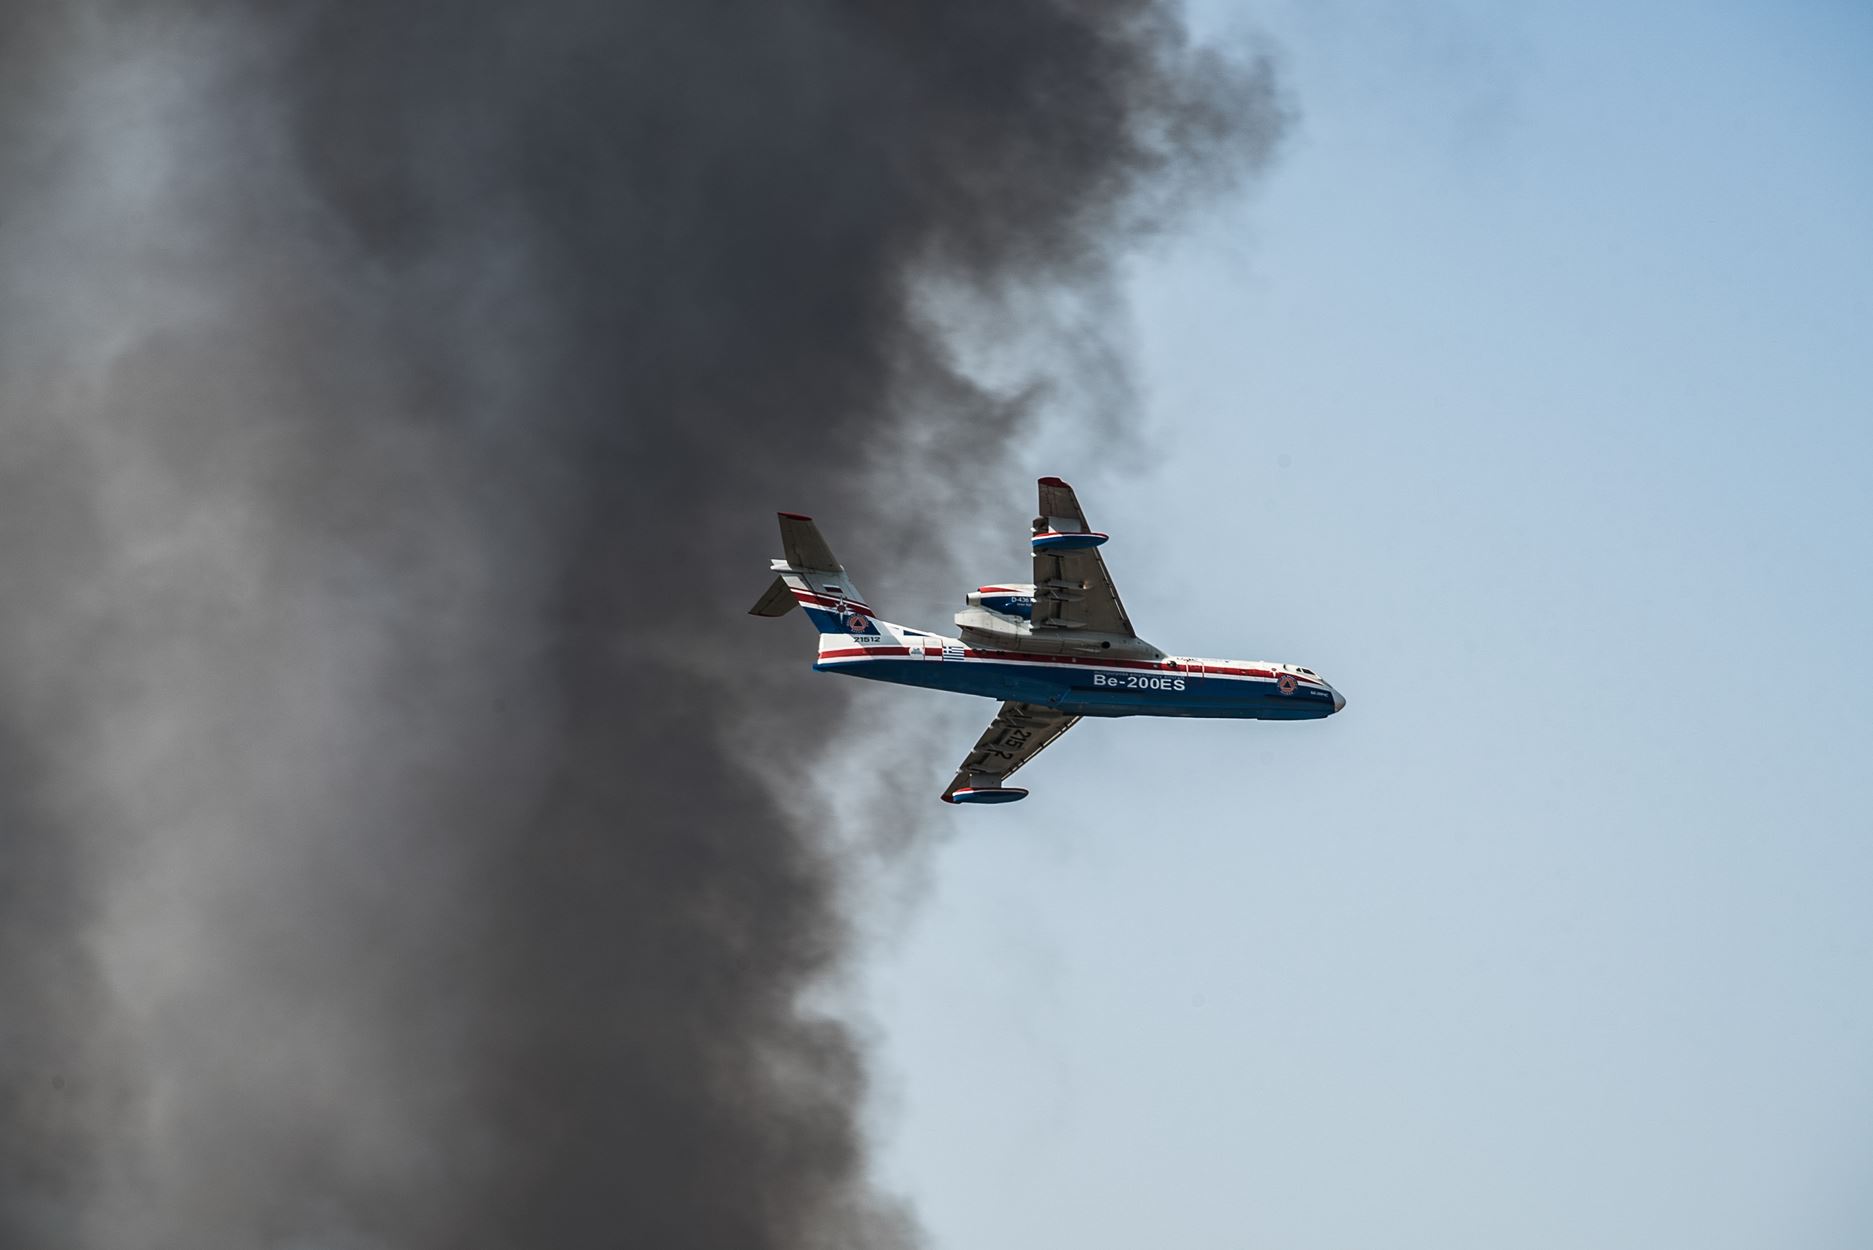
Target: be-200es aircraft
1052 650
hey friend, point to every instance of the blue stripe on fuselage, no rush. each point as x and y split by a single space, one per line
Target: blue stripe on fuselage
1084 691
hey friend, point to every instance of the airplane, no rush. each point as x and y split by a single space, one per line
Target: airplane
1052 650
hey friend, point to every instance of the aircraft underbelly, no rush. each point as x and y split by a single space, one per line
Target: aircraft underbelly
1201 697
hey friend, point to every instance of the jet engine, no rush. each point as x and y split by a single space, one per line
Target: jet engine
998 612
1012 600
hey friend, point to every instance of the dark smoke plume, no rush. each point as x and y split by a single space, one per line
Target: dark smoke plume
395 401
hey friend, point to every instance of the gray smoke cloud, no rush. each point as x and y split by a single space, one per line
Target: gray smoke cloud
395 402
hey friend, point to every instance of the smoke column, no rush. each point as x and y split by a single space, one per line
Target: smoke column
395 403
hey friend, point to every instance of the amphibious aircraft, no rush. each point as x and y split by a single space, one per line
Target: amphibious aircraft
1052 650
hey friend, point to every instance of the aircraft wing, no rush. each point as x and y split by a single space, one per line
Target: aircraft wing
1019 732
1072 589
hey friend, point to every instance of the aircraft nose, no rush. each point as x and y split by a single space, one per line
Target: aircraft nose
1339 700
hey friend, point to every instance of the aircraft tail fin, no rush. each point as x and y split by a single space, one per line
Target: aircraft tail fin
805 547
812 577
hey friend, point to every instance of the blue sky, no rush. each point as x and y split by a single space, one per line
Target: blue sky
1530 399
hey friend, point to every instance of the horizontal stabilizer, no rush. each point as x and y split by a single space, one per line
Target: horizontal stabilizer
778 601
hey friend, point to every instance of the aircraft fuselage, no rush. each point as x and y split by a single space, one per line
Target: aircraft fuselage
1081 685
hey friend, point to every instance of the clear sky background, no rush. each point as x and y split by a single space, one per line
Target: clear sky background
1530 401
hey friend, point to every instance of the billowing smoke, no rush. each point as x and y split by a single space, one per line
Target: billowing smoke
395 402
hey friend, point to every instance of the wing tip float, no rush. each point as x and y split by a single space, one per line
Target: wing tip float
1054 540
986 794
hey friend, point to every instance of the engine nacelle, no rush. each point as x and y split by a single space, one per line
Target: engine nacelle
1009 600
